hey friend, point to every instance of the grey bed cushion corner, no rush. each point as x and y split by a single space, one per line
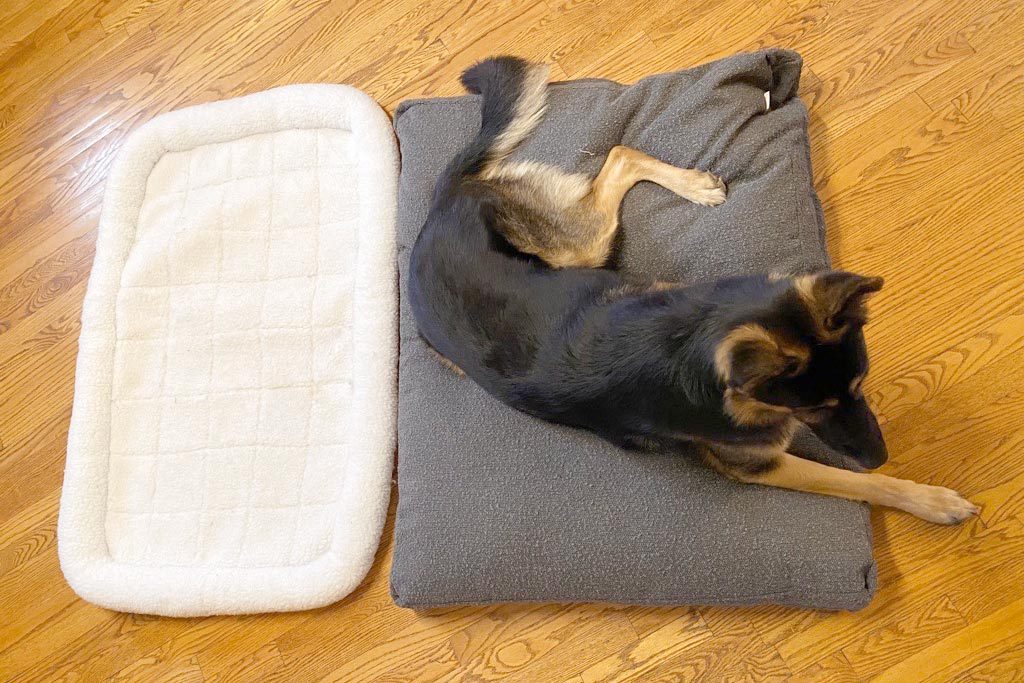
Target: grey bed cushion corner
496 506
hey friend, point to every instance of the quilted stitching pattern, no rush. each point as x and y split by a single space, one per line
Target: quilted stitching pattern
233 349
226 453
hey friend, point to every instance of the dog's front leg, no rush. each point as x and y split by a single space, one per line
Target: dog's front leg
784 470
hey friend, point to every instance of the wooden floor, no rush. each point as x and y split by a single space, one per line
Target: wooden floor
917 115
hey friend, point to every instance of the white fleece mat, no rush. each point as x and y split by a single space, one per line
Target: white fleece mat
233 428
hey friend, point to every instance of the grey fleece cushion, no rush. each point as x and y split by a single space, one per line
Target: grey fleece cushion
498 506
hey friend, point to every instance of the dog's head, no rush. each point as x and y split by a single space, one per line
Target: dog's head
799 352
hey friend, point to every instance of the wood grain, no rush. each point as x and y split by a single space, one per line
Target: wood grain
916 119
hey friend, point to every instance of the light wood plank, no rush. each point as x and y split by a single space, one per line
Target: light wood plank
977 644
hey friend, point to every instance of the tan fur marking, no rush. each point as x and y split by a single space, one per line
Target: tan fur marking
559 187
742 334
932 503
804 286
443 360
570 221
625 167
738 402
529 111
545 220
753 333
746 410
824 302
712 460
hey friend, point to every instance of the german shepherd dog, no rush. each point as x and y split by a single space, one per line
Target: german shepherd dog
507 286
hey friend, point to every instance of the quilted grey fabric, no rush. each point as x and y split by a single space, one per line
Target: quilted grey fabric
498 506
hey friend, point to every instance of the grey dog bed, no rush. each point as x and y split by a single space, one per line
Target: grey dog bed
497 506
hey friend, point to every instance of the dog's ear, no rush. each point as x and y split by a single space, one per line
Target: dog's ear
749 354
836 300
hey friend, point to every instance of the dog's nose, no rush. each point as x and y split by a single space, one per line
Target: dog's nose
872 457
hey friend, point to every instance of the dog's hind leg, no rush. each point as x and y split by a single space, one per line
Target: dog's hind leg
569 220
625 167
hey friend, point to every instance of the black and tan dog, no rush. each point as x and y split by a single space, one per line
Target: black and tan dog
506 284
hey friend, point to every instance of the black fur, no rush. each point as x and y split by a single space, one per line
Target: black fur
499 80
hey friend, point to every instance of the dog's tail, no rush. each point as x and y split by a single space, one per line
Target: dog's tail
514 99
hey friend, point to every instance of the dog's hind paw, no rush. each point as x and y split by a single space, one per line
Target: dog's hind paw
937 504
707 190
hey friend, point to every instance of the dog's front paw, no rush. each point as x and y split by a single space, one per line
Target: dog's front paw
708 190
937 504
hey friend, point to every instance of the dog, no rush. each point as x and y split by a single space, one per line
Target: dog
508 285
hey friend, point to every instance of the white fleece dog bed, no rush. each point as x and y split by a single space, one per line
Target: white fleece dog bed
233 429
